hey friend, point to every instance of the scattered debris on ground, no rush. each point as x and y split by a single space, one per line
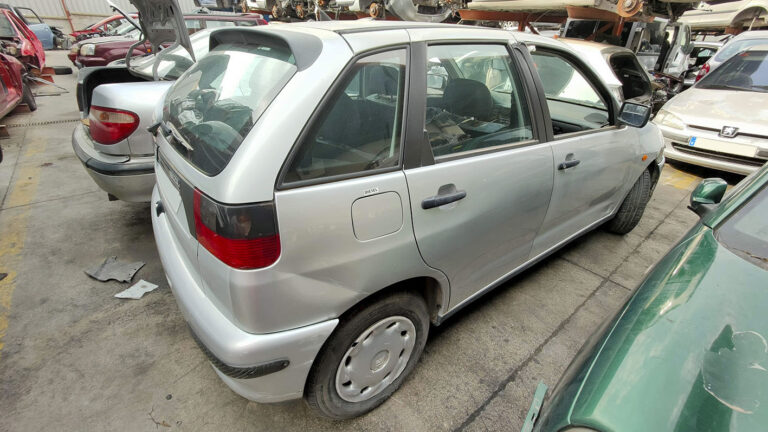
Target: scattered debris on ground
137 290
111 268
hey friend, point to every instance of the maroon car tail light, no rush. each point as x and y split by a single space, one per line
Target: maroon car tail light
110 126
242 236
702 71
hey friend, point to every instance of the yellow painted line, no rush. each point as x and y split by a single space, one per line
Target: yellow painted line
679 179
13 231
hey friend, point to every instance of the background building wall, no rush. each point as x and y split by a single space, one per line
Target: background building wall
83 12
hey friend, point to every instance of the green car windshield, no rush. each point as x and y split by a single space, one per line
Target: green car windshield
745 232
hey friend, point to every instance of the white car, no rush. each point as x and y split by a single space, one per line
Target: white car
722 121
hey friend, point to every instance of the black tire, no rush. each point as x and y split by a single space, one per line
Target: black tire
28 98
320 391
632 208
62 70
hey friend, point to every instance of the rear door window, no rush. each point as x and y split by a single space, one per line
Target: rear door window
475 99
212 107
359 129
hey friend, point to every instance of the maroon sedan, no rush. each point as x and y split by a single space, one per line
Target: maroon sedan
103 27
101 51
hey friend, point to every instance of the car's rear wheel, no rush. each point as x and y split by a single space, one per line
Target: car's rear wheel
632 208
368 356
28 97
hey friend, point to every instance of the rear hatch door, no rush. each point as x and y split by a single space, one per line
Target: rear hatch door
162 22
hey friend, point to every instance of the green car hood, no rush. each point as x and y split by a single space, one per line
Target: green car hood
689 352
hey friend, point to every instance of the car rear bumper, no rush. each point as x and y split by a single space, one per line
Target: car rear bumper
676 148
270 367
127 178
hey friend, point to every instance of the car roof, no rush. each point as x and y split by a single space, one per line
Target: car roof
708 44
751 34
364 25
211 17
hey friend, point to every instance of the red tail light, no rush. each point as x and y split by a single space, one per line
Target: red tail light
703 71
243 236
110 126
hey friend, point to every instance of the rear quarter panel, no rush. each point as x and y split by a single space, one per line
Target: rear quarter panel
140 98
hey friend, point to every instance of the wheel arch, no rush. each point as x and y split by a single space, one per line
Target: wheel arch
430 289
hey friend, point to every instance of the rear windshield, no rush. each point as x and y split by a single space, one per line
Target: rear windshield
174 61
212 107
747 71
731 49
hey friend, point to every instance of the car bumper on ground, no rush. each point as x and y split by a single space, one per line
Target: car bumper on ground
126 178
270 367
711 151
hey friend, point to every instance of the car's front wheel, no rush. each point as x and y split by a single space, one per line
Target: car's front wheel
368 356
632 208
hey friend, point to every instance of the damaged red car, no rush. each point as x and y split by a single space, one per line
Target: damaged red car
20 41
14 88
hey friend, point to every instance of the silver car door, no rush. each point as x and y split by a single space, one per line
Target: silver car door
481 192
342 199
592 154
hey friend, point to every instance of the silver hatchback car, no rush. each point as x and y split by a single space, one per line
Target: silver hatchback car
325 191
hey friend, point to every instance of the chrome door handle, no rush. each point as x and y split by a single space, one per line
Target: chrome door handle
441 200
568 164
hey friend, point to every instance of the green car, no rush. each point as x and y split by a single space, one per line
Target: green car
689 349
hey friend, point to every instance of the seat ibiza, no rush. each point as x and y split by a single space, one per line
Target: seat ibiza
327 191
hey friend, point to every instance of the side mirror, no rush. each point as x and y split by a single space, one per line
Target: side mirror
438 82
634 114
707 195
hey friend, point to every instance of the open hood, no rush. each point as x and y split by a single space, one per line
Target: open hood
162 22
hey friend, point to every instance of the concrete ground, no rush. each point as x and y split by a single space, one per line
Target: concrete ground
73 357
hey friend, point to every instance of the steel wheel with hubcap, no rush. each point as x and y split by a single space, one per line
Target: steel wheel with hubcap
368 356
375 359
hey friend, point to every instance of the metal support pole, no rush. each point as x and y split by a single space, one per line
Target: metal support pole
68 15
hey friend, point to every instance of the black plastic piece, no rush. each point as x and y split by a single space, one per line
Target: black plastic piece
537 100
441 200
159 209
257 371
417 151
568 164
113 169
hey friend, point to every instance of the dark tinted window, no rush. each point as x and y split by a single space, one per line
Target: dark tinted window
475 99
360 129
598 31
745 232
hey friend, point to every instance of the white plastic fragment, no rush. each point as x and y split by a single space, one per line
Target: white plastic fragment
137 290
